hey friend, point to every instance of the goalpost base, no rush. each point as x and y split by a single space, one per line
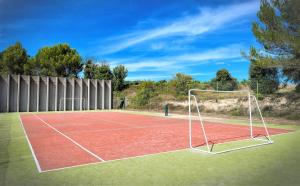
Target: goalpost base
266 142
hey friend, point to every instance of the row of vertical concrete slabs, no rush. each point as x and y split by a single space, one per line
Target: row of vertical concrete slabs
22 93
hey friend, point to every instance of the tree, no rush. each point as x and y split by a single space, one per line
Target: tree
224 81
119 75
58 60
95 71
182 83
103 72
13 59
32 67
263 80
279 33
146 91
162 85
90 70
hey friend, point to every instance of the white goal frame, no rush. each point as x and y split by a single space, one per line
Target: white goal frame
63 103
209 150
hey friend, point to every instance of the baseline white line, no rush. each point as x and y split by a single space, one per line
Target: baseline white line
120 159
30 146
73 141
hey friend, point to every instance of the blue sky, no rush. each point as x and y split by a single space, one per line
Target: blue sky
154 39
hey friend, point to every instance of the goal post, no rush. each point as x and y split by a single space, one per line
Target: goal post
192 98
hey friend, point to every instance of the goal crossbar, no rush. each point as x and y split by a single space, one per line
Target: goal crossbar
202 124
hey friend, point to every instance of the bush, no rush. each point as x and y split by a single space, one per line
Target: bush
146 91
239 111
260 97
182 83
293 116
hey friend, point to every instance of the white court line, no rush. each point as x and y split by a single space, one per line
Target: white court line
73 141
30 146
120 159
153 154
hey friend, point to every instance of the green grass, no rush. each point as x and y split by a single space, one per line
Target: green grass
277 164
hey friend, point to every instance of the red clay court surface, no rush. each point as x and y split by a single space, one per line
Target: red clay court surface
60 140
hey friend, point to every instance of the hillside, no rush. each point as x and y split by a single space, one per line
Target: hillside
283 104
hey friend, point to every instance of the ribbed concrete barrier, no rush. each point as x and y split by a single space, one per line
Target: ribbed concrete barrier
21 93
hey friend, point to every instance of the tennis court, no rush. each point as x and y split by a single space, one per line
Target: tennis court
62 140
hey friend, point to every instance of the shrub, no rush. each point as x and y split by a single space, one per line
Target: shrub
182 83
146 91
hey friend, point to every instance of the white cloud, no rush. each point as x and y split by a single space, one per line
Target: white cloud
206 20
182 61
147 77
227 52
158 46
202 74
150 65
166 76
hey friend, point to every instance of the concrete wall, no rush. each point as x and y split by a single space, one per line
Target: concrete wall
20 93
3 93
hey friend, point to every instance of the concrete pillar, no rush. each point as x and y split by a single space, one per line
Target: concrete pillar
60 93
8 96
52 92
96 93
65 93
43 94
47 93
103 94
73 92
56 92
3 93
99 91
18 93
33 94
81 89
28 97
110 94
92 94
23 93
38 94
88 101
